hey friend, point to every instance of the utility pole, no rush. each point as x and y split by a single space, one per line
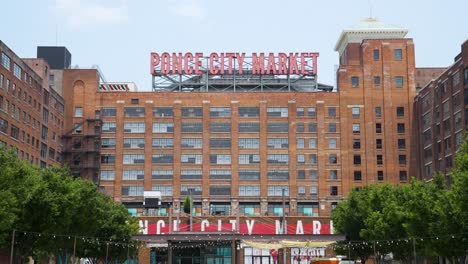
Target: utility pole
414 250
191 204
12 246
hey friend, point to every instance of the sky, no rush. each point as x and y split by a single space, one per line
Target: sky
119 35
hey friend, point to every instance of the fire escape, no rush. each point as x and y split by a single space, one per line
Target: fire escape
82 149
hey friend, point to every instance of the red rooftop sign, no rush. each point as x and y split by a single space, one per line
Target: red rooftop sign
230 63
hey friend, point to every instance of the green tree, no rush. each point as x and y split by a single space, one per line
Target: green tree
186 205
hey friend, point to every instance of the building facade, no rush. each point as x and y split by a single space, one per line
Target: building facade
441 117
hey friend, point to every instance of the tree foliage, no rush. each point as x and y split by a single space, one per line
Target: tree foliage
49 201
389 219
186 205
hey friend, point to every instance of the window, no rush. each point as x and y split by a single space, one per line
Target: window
403 176
300 143
134 127
356 143
312 112
192 112
332 143
195 143
313 159
333 159
357 176
380 176
398 81
220 112
249 112
300 112
249 190
17 71
376 54
402 160
379 159
397 54
355 112
220 127
300 127
1 80
191 159
220 159
157 143
301 174
107 158
134 101
196 189
312 175
133 159
249 209
134 112
78 128
465 76
249 175
251 127
300 159
313 190
278 127
78 111
312 127
162 159
357 159
249 158
220 174
378 112
354 81
333 175
249 143
166 190
277 112
333 190
301 190
278 175
378 128
401 143
132 190
277 159
332 127
312 143
163 127
220 190
378 143
400 112
277 143
401 128
163 112
356 129
277 190
220 143
108 143
331 112
162 174
132 175
376 80
109 112
6 62
107 175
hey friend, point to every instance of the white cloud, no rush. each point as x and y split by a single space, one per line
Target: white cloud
78 13
191 10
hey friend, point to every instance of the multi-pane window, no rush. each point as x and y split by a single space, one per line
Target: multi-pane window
300 127
134 112
357 175
277 112
191 159
356 128
78 111
312 143
313 159
1 80
132 190
109 112
163 143
312 175
192 127
332 112
277 190
132 175
249 112
220 190
398 54
277 143
163 127
162 174
378 143
249 143
379 159
355 112
107 158
398 81
301 190
220 143
312 112
134 127
192 112
332 127
107 175
401 128
249 175
195 143
300 112
163 112
357 159
220 112
216 127
194 189
300 143
312 127
191 174
332 143
401 143
277 127
300 159
403 176
400 111
108 143
277 159
380 176
402 160
220 159
376 80
166 190
333 175
249 158
301 174
6 62
220 174
376 54
333 159
333 190
133 159
356 143
378 112
249 190
249 209
250 127
354 81
108 127
378 128
162 159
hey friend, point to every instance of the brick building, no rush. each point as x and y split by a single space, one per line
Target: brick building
441 117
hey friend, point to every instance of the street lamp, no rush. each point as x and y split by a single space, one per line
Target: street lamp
191 204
